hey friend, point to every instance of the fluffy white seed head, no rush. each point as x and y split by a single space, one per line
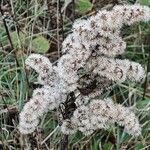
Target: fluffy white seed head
43 99
133 14
100 114
91 47
43 67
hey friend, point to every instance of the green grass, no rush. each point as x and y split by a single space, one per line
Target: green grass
17 84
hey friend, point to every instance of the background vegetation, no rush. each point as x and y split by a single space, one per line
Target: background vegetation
39 26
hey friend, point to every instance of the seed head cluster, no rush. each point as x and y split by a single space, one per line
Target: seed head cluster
87 68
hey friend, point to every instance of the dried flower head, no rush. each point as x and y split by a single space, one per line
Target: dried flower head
100 114
87 67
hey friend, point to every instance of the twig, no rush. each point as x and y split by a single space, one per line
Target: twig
59 23
73 10
145 83
67 112
64 142
58 38
7 32
6 28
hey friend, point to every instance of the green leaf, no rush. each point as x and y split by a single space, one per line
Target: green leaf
138 146
107 146
143 103
3 36
145 2
40 44
18 40
83 6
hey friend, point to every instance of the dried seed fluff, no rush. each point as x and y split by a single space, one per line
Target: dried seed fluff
87 67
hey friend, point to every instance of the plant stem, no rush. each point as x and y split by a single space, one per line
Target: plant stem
7 32
64 142
145 83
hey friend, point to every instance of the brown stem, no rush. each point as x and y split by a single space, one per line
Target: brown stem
145 83
61 21
6 28
59 25
67 112
7 32
73 10
58 22
64 142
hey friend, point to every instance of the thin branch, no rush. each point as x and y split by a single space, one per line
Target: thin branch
58 38
64 142
73 10
59 24
145 83
7 32
67 112
6 28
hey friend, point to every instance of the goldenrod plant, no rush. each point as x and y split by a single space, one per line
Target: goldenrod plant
87 68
